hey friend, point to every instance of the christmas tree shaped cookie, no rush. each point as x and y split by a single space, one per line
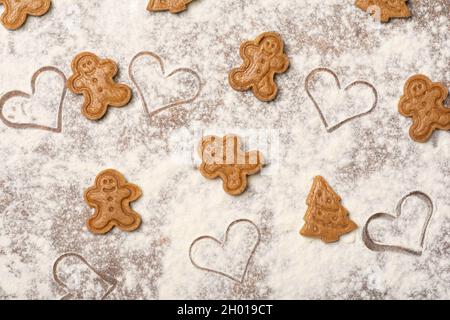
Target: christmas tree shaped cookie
385 9
325 218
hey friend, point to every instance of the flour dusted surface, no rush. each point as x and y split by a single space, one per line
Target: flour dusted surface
371 162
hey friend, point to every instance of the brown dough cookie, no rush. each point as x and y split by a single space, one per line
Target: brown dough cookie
174 6
423 101
110 197
263 59
224 158
325 218
17 11
387 8
93 77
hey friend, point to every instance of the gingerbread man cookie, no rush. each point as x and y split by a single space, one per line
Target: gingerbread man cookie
174 6
224 158
386 9
93 77
17 11
263 58
111 197
423 101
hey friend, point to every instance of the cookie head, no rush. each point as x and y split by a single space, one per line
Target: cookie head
271 45
417 88
87 65
209 150
108 183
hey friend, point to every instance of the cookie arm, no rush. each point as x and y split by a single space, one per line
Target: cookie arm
210 171
238 77
249 51
110 68
439 94
405 106
135 191
75 83
94 196
279 63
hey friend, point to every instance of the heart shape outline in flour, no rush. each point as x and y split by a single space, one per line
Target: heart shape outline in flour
222 245
104 277
379 246
336 126
179 101
20 94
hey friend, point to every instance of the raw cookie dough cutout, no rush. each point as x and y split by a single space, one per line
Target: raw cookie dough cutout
224 158
384 10
17 11
93 77
111 197
263 59
325 218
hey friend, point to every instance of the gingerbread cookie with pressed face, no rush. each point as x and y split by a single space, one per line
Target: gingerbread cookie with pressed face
174 6
263 59
423 101
93 77
111 196
387 9
224 158
17 11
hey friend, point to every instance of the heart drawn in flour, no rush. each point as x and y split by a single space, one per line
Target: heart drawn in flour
158 90
42 109
80 279
375 245
231 257
336 105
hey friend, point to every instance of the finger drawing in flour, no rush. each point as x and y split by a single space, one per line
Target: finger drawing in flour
223 158
325 218
423 101
41 108
73 273
160 90
230 257
335 105
111 196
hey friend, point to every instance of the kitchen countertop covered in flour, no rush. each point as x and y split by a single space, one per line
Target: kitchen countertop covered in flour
370 162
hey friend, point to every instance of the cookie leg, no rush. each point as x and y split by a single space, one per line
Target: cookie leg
239 80
120 95
99 222
444 121
93 108
129 222
266 88
13 19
